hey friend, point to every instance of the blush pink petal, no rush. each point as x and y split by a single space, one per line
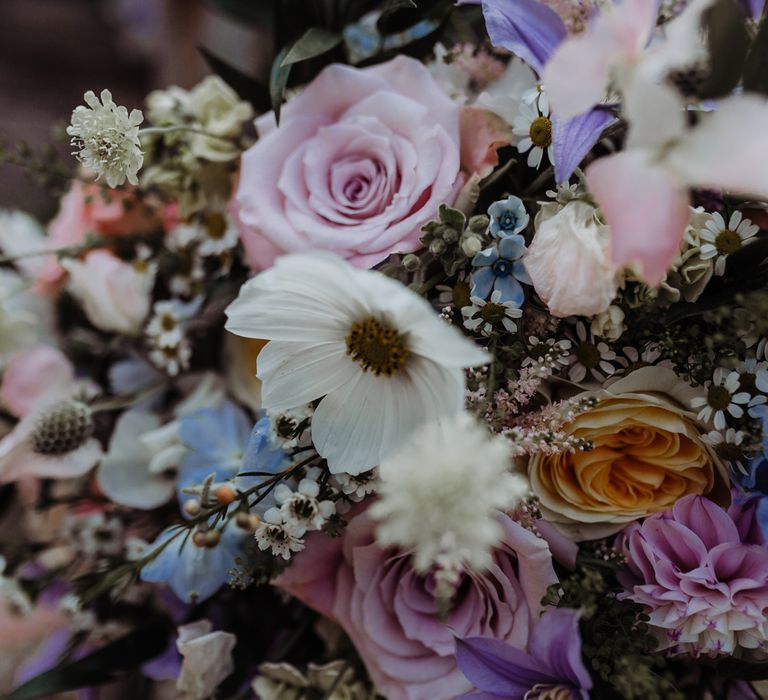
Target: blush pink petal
31 374
645 208
482 134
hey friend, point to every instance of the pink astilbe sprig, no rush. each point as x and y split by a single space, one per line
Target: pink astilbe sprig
542 430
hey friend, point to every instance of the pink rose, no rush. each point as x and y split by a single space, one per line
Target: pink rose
361 160
92 209
389 611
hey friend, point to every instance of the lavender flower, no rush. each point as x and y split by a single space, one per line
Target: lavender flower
702 577
552 667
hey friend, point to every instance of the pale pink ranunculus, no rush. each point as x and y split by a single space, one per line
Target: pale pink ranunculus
568 261
88 208
115 295
388 610
361 160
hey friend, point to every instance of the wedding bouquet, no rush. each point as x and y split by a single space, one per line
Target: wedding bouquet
448 380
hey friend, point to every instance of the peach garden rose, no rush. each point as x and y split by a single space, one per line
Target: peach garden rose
648 453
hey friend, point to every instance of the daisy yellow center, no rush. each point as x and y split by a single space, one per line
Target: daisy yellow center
727 242
377 347
168 322
719 398
541 132
588 355
216 225
493 313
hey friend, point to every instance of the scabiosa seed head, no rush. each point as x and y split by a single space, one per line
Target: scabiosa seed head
62 428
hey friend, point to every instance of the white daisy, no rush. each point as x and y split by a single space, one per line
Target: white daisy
537 96
723 396
632 359
107 138
217 234
483 316
301 509
377 352
172 359
535 128
551 352
727 445
590 356
720 240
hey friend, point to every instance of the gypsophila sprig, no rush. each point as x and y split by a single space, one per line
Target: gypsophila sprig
107 138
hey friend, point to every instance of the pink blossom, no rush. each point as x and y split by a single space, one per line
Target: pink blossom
706 589
114 294
361 160
389 611
91 209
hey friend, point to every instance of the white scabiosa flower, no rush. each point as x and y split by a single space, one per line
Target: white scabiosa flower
440 495
379 355
107 138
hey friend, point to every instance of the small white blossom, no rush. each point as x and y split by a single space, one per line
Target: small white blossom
107 138
723 396
441 494
484 315
590 355
172 359
534 127
301 509
727 445
285 426
357 487
721 239
274 534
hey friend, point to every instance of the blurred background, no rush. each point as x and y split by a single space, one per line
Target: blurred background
52 51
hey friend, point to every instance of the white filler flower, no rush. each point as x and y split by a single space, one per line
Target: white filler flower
441 494
107 138
377 352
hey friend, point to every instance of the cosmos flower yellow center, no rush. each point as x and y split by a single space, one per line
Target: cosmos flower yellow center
377 347
541 132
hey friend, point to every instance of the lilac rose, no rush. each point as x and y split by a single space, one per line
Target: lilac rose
388 609
362 158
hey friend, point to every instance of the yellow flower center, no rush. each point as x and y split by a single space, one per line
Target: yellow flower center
719 398
377 347
216 225
541 132
493 313
727 242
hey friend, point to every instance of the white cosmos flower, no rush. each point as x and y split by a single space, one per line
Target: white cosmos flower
721 239
376 351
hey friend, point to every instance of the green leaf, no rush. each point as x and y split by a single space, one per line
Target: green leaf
727 40
250 89
314 42
100 667
756 68
278 79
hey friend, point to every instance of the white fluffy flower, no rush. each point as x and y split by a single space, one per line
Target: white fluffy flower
376 351
441 494
107 138
278 536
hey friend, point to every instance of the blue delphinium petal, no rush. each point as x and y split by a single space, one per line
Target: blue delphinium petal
520 273
194 573
486 257
261 456
482 282
510 290
512 247
216 438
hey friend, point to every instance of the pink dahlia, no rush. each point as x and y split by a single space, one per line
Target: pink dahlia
702 577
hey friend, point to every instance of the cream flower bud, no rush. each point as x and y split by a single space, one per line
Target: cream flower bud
568 261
